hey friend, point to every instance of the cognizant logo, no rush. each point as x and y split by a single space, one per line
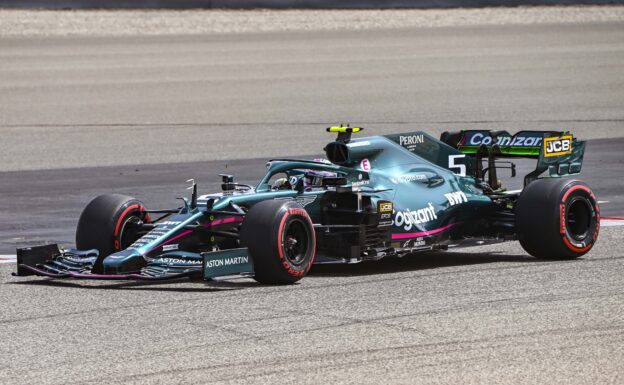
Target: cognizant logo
408 218
478 139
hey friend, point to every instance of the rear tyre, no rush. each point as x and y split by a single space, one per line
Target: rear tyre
281 240
557 219
107 225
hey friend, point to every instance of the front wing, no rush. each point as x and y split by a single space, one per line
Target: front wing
50 261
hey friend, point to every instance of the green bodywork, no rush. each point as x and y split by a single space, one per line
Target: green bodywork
434 193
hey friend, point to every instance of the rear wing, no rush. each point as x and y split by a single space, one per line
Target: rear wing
557 152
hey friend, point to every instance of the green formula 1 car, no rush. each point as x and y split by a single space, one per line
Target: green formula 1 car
372 197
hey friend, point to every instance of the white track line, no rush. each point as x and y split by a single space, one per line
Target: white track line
611 222
7 259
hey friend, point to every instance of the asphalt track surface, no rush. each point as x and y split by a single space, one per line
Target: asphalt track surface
89 101
486 315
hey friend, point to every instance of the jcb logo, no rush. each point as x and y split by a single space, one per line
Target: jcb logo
385 207
558 146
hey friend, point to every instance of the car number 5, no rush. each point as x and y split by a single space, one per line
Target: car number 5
453 165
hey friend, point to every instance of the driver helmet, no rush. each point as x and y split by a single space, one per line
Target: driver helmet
281 184
314 177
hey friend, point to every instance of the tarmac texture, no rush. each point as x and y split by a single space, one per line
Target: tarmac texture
106 101
22 22
85 115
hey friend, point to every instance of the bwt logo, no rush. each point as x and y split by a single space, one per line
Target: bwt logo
456 198
558 146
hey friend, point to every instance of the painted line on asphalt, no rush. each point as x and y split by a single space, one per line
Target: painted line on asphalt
611 221
8 259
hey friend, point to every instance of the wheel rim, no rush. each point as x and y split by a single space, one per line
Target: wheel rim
579 218
128 232
295 244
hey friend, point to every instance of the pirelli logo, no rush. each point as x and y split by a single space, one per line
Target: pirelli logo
558 145
385 207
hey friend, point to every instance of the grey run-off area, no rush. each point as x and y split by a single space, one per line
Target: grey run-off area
219 21
82 115
102 101
283 4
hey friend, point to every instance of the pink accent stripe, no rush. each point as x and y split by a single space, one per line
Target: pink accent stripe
187 232
613 218
424 233
224 221
8 258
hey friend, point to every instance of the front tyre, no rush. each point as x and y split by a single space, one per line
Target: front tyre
108 224
557 219
281 240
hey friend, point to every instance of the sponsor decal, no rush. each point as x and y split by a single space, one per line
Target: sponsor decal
358 144
365 165
410 243
411 141
161 229
176 261
477 139
408 178
322 160
360 183
556 146
385 210
385 220
170 247
226 261
77 259
170 223
385 207
408 218
302 200
456 198
140 243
